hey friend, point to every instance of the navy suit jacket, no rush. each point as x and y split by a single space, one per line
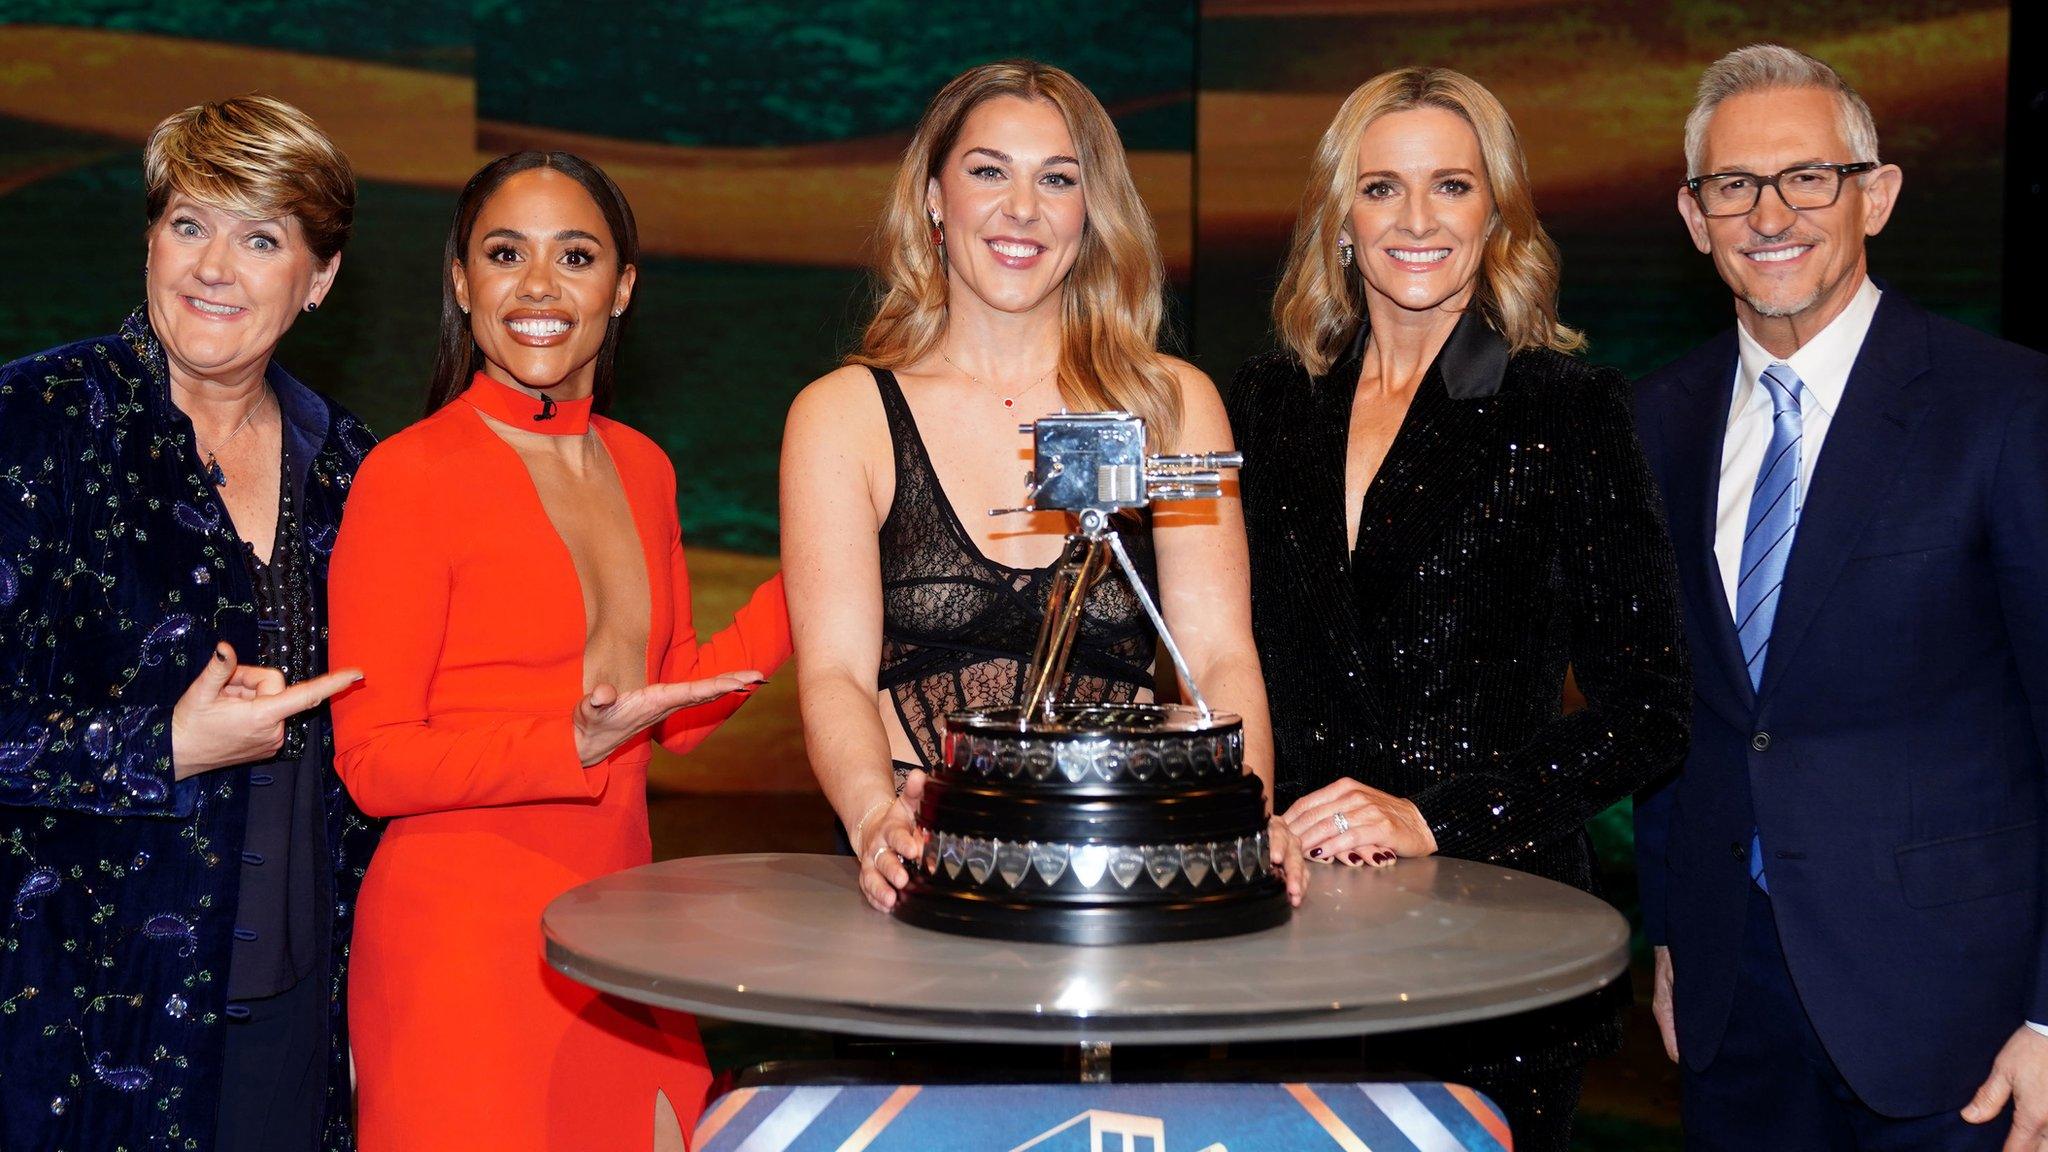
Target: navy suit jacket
1892 758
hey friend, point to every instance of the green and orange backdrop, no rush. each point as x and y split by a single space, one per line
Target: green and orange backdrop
756 138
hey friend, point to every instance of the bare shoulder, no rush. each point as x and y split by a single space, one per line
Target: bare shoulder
844 392
1194 383
1204 425
839 414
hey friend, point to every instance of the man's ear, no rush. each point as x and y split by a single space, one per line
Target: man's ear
1880 195
1695 220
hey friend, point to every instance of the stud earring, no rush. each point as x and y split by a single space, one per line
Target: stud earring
312 305
1344 254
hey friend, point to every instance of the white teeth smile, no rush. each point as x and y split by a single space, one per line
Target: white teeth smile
214 309
538 327
1015 251
1779 254
1417 256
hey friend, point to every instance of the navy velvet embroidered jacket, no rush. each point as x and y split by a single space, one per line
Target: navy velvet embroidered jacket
1512 531
119 571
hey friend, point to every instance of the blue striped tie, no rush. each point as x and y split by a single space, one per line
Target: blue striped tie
1767 543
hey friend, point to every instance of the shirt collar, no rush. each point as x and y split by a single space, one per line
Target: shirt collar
1473 361
1822 363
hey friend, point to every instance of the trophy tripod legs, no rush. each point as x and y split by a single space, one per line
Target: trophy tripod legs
1088 555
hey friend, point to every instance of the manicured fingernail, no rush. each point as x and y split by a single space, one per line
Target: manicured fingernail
1353 858
1316 852
221 655
1384 857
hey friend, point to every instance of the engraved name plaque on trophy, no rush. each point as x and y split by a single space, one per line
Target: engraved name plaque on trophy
1095 824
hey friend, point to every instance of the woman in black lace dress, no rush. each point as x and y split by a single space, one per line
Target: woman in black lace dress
1447 510
1019 275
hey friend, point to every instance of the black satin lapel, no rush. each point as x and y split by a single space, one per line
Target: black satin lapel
1695 429
1865 443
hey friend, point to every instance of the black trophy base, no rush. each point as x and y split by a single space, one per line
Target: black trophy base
1253 907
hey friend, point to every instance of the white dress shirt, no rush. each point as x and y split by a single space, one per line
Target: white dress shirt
1822 366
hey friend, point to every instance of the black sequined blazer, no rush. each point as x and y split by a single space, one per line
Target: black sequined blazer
1512 532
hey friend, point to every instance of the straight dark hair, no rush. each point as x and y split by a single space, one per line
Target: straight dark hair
457 359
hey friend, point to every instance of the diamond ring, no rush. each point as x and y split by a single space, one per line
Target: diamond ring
1342 824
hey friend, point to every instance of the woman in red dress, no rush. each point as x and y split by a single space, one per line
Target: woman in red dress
510 578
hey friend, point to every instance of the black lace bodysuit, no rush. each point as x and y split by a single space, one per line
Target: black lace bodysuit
958 628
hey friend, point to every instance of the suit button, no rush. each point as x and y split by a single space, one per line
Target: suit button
1738 849
1761 741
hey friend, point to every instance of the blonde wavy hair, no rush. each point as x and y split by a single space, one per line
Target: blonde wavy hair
1113 300
1319 303
257 157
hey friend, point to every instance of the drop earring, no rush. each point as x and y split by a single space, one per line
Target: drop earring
1344 254
938 232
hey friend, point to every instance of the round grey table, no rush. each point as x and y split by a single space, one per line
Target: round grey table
786 940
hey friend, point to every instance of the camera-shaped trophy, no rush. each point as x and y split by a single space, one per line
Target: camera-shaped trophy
1095 824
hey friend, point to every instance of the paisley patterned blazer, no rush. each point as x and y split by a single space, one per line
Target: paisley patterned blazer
119 571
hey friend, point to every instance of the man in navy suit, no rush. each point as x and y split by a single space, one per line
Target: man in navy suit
1845 881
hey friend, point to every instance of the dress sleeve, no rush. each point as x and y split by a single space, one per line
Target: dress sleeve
1628 655
62 745
757 639
390 586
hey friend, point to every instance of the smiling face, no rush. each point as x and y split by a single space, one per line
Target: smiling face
1422 211
540 281
1010 199
223 289
1791 271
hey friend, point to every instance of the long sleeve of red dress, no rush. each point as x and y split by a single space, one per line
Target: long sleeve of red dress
393 575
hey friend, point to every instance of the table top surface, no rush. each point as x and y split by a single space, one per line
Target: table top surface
786 940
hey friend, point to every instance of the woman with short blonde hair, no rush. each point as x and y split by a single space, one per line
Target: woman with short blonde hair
1018 275
183 860
1447 511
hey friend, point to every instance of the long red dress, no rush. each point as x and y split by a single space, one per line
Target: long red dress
453 593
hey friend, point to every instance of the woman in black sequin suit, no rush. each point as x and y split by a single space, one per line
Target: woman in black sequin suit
1447 511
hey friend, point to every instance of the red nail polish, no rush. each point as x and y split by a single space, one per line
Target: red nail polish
1353 858
1316 852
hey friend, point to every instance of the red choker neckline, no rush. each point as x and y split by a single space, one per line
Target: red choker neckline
544 414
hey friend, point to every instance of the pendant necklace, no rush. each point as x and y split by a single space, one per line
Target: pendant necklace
213 471
1009 401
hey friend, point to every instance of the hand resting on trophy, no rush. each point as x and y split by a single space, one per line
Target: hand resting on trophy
889 838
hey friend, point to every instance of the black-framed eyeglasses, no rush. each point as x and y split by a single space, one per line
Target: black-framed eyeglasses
1803 187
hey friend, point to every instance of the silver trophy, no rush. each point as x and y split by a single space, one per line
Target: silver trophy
1096 824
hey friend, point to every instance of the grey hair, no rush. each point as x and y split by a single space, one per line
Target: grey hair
1764 67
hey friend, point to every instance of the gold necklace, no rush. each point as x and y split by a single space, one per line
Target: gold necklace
213 471
1009 401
